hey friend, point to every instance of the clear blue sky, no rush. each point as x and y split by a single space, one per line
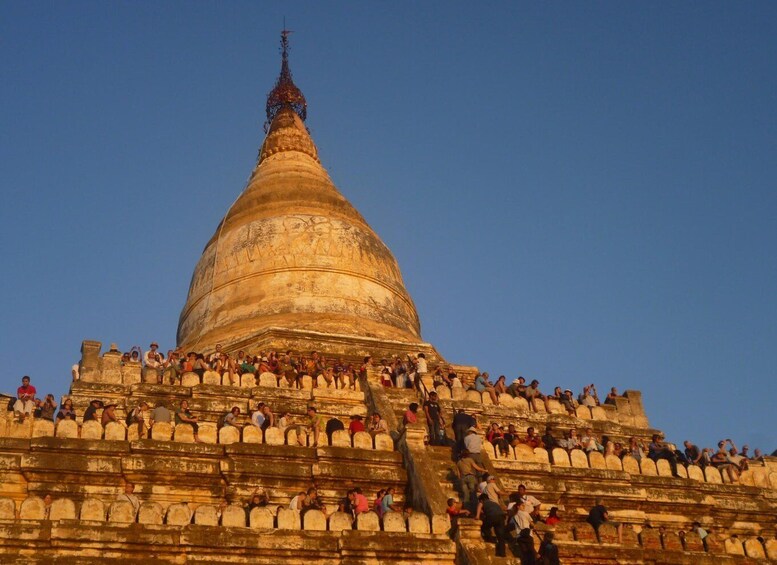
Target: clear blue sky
575 192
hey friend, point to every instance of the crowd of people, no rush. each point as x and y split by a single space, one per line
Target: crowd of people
231 367
507 518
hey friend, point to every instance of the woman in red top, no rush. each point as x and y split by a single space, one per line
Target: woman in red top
553 518
496 437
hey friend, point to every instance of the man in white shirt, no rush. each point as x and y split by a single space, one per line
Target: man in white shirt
129 496
531 504
298 502
473 442
257 417
152 358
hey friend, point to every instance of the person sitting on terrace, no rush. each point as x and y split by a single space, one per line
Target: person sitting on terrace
360 502
356 425
454 378
48 407
135 355
258 500
315 424
153 360
312 502
482 384
387 502
493 517
549 441
411 414
215 356
533 394
377 506
226 366
517 388
257 416
694 455
184 416
511 435
377 425
269 417
568 402
289 371
530 502
140 415
129 496
636 449
599 515
495 436
440 378
282 421
333 425
532 438
758 455
171 367
346 503
91 411
109 415
614 448
200 365
736 459
25 400
385 377
553 517
232 418
66 411
570 441
499 386
160 413
298 502
590 443
657 450
588 397
611 396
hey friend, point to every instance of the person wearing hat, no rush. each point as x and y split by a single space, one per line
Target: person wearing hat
356 425
473 442
567 400
153 359
109 414
91 411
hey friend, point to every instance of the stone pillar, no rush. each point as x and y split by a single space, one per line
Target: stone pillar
90 361
637 409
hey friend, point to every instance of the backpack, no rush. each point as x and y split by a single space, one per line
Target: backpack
221 421
128 419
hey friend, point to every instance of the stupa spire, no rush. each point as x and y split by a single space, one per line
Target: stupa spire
285 93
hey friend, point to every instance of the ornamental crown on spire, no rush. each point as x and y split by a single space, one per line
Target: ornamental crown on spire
285 93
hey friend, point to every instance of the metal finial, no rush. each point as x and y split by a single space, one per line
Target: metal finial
285 93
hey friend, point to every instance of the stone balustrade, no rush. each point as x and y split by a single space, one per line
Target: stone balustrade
756 476
181 514
297 435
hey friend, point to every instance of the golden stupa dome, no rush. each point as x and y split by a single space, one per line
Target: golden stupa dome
293 253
